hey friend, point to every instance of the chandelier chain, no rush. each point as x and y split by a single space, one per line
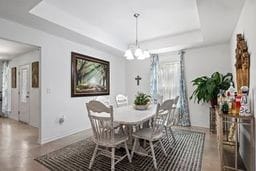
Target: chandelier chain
136 15
137 52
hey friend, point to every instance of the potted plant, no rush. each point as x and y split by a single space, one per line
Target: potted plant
142 101
208 88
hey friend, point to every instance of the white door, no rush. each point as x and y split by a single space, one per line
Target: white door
24 93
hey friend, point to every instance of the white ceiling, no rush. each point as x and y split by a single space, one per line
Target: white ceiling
115 17
11 49
164 25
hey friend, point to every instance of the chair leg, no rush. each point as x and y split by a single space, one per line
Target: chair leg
113 159
93 156
172 134
144 143
127 152
166 132
162 146
134 146
153 154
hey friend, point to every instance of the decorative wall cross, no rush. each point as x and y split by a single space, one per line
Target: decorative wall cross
138 78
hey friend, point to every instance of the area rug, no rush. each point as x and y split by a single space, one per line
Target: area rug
185 155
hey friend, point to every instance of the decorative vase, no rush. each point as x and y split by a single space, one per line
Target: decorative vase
225 108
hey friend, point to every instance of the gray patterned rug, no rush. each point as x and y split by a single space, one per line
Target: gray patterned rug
184 155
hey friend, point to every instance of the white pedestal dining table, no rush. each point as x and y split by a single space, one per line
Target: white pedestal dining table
130 118
128 115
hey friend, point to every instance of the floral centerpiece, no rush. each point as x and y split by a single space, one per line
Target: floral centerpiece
142 101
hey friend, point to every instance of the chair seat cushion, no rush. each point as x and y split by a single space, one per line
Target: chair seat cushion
116 125
146 134
118 139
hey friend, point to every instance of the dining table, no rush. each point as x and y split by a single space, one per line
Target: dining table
133 119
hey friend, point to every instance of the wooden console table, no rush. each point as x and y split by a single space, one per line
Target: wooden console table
212 120
236 121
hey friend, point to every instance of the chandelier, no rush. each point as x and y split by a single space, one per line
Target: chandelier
137 52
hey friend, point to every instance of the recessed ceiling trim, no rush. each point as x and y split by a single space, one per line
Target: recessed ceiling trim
53 14
173 42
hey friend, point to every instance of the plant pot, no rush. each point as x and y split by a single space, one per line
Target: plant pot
141 107
225 112
214 102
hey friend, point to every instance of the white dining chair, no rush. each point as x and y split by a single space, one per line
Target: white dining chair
121 100
101 118
106 101
170 117
152 134
103 99
160 98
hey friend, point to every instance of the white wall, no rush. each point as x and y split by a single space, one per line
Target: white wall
1 84
55 79
142 68
1 75
134 68
34 101
199 62
246 25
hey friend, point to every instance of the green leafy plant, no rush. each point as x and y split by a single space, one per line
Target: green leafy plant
207 88
142 99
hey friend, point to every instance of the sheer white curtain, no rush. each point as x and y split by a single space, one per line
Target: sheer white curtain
169 80
5 88
154 70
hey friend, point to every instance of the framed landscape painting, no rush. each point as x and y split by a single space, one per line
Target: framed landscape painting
35 74
14 77
89 76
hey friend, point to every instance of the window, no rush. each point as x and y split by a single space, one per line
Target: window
169 77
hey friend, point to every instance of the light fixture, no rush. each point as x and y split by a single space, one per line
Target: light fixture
137 51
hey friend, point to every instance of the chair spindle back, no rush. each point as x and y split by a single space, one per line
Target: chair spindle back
162 115
101 118
121 100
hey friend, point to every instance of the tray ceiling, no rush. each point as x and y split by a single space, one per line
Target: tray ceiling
164 25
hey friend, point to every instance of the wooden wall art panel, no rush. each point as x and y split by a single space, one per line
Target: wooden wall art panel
242 63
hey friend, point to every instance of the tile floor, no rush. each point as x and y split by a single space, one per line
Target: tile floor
19 147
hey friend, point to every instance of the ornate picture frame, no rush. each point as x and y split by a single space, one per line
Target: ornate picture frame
89 76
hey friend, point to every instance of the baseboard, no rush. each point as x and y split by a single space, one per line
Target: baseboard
13 117
5 114
68 133
200 127
34 125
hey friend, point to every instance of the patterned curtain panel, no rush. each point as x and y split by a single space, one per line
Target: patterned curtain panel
184 117
154 77
5 88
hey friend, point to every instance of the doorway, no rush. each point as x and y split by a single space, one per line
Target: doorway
24 100
20 87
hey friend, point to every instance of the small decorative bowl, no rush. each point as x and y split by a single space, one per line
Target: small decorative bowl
141 107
